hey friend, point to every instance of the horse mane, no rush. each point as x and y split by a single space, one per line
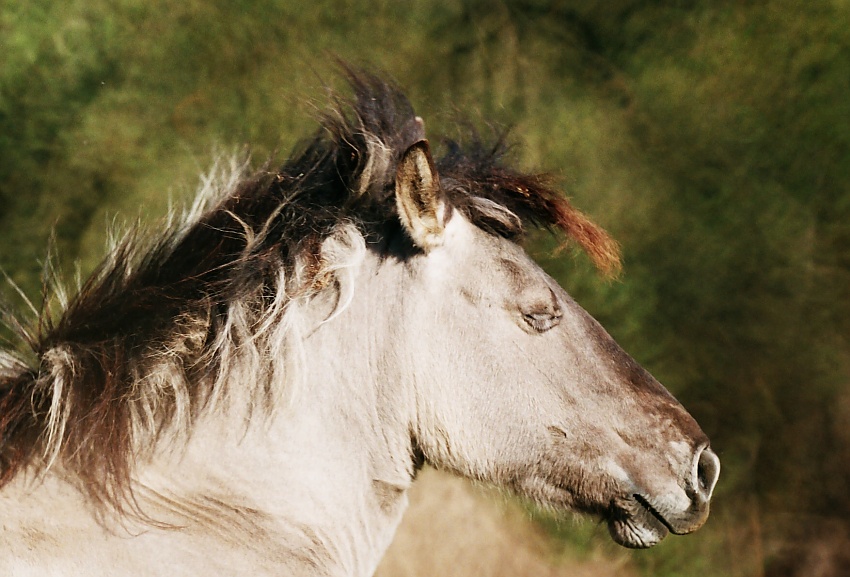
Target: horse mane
157 332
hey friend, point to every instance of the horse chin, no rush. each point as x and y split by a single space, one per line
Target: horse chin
633 520
633 523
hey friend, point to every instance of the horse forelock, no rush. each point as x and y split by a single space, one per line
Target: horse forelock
505 201
163 326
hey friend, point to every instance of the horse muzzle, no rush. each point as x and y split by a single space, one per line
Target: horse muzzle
641 519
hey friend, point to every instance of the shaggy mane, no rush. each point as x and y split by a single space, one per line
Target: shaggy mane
156 333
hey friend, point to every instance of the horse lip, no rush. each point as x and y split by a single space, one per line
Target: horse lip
644 502
635 524
678 524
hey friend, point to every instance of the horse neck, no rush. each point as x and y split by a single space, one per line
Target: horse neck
329 470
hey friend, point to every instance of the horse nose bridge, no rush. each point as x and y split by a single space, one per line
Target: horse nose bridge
629 379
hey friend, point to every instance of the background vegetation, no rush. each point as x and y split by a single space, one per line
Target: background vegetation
712 138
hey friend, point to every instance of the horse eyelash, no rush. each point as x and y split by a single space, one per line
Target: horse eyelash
542 321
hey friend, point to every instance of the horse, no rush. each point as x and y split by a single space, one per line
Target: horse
253 389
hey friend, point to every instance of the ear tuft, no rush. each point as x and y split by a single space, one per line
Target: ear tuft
421 203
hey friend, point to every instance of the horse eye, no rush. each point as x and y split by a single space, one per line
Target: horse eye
542 321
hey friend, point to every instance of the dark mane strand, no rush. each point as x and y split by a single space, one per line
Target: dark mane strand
168 300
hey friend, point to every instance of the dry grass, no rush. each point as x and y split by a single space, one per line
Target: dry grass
456 529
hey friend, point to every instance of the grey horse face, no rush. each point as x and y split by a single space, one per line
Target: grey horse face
517 385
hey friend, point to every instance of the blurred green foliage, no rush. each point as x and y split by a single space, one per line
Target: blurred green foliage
711 138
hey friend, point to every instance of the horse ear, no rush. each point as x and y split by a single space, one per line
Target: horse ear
421 203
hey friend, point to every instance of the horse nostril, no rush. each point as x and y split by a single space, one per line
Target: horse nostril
706 472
